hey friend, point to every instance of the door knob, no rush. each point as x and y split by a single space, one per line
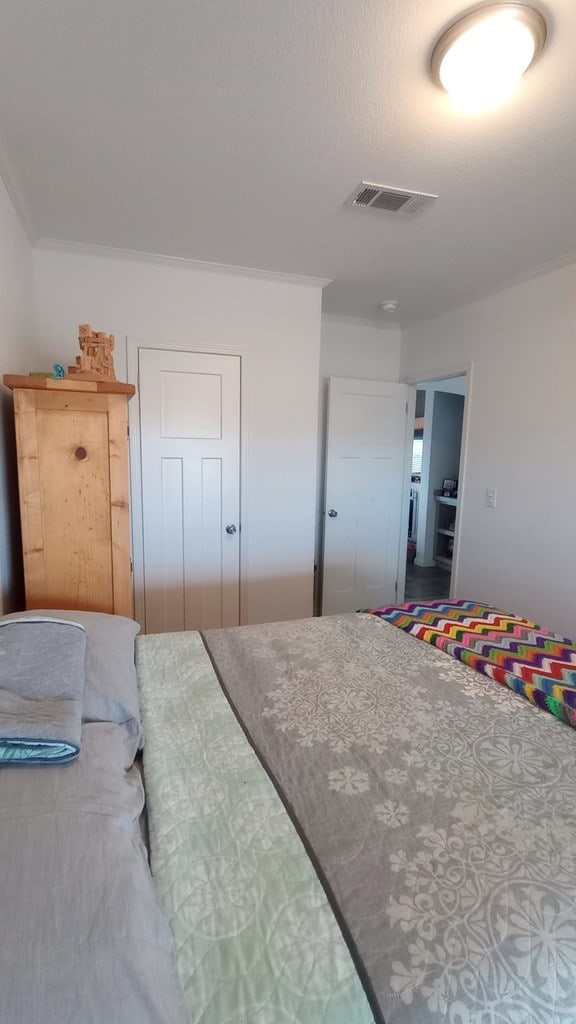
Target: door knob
230 528
332 513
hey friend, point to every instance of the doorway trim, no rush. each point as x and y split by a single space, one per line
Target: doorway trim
444 373
133 346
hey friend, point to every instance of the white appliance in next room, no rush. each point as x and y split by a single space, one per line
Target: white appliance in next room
413 514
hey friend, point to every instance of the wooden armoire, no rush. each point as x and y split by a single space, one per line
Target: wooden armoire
73 475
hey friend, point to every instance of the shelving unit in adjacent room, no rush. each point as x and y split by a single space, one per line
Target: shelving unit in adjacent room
445 531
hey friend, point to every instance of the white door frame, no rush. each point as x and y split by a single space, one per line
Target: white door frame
133 345
408 437
457 370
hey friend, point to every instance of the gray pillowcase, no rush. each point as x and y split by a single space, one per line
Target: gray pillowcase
111 693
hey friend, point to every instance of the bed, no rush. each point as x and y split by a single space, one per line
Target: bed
348 824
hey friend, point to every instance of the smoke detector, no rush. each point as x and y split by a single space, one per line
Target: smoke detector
369 196
388 305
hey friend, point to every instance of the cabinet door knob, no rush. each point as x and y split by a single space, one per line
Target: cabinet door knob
80 453
332 513
231 528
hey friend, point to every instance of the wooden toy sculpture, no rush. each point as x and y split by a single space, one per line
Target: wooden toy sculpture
95 362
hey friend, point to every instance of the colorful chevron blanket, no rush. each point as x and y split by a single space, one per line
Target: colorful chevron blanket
515 652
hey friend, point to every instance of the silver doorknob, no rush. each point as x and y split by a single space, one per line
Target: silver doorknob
230 528
332 513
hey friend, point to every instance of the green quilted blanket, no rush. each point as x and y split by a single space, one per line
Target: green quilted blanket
256 940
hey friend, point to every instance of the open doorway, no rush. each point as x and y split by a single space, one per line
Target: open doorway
436 458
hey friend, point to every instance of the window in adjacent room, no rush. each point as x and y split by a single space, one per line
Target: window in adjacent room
417 445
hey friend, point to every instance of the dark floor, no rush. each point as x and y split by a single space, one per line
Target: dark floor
426 583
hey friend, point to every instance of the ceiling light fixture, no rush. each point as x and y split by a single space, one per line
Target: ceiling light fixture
481 58
388 305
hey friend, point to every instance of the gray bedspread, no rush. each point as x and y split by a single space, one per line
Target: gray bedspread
82 938
438 806
42 681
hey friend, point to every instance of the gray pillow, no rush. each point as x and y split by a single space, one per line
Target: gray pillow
111 693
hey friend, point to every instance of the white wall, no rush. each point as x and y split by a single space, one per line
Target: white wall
275 324
522 343
16 356
358 348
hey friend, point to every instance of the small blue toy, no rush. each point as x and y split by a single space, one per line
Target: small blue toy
59 371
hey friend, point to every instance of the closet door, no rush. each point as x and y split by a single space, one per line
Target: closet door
190 460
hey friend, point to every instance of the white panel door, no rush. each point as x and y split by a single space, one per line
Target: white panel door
190 456
366 497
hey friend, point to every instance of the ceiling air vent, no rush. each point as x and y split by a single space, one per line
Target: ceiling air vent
392 200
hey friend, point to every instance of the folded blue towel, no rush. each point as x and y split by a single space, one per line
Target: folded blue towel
42 678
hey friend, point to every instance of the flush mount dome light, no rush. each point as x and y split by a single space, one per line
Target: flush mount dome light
480 59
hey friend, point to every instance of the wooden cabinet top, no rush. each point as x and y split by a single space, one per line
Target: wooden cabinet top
102 387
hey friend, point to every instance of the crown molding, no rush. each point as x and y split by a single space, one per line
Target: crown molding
135 256
14 188
551 266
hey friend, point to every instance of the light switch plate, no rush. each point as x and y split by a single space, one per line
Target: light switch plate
490 498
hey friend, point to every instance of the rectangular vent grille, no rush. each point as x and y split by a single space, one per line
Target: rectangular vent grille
365 197
391 200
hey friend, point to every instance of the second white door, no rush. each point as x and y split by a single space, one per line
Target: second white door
190 460
366 503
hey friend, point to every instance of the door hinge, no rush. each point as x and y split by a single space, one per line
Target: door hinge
406 408
127 430
396 588
131 567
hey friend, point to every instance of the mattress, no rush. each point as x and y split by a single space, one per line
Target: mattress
435 809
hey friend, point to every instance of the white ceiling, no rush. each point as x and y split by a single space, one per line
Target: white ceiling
233 131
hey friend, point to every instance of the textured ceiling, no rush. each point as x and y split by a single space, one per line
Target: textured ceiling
233 131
